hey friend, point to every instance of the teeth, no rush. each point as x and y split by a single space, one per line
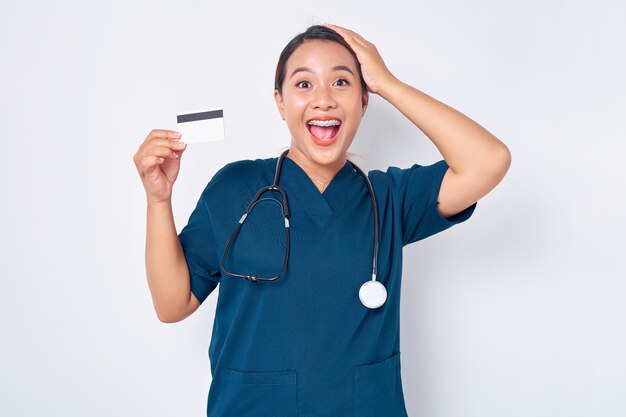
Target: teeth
324 122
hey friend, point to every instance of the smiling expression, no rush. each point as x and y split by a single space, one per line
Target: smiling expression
321 82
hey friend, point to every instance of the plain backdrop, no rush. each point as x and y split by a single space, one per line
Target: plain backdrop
517 312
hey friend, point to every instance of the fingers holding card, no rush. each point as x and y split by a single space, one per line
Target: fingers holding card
205 125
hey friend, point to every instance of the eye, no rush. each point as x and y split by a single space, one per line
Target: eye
346 82
300 82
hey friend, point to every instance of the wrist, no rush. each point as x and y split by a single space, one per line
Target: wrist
388 89
159 204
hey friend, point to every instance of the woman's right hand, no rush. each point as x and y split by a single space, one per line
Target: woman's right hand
158 163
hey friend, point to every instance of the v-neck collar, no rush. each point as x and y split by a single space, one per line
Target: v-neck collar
298 185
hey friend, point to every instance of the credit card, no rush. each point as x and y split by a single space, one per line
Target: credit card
199 126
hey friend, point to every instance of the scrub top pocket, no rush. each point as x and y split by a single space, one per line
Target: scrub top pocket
378 389
251 394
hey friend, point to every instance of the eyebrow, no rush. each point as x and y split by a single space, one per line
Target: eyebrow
336 68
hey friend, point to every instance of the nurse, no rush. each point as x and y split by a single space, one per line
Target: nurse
303 343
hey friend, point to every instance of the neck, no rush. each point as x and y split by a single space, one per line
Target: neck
317 172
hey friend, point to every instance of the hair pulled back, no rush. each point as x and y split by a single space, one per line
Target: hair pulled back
312 32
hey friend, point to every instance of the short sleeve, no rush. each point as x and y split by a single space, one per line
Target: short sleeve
417 188
198 244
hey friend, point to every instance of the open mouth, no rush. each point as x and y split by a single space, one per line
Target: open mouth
323 133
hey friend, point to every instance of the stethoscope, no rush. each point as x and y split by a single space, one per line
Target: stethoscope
372 293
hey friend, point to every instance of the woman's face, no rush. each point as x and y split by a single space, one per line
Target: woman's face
322 91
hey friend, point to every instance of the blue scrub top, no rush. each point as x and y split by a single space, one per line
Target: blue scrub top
304 345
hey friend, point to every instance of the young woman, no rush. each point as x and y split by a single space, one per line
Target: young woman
308 313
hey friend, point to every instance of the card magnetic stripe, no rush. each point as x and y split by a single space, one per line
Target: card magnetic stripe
192 117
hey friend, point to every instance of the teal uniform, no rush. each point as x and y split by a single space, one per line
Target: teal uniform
304 345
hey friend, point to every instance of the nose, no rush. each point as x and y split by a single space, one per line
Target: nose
323 98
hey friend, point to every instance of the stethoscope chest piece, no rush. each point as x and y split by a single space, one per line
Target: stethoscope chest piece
373 294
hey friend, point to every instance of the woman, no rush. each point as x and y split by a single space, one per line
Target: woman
307 342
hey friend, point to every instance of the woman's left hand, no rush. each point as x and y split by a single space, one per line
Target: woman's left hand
374 70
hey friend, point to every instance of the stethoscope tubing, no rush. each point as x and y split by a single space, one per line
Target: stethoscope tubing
285 212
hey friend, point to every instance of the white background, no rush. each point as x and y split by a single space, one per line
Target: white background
518 312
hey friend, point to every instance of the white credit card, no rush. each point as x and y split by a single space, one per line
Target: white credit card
205 125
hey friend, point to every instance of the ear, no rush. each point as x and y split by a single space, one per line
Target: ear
364 101
279 103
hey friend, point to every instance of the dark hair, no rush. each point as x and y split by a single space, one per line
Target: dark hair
313 32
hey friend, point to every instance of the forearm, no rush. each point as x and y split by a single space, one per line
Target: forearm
166 267
465 145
